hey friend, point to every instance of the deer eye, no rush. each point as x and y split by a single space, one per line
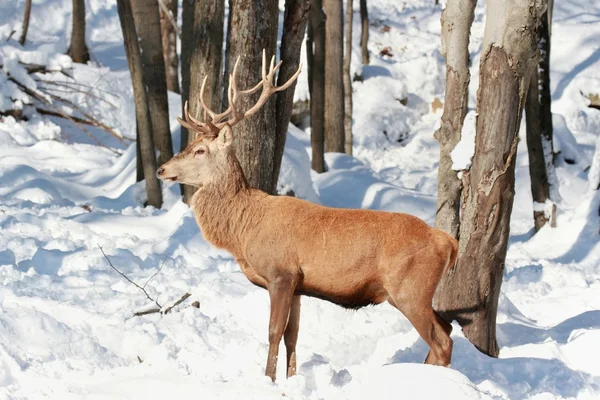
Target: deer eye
199 152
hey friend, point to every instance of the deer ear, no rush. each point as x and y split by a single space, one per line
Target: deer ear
225 137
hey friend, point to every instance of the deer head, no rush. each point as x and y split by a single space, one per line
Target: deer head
205 160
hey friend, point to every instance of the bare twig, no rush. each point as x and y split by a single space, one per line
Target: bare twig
129 280
77 120
146 312
156 273
169 15
178 302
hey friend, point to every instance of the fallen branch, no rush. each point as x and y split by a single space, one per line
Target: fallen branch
91 122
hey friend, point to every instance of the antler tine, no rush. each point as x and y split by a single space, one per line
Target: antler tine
195 125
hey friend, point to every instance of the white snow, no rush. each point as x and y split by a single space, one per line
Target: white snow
67 329
463 152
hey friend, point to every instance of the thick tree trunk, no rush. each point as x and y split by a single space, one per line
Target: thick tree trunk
334 72
254 28
474 283
538 117
317 95
456 20
348 81
78 50
294 27
364 35
143 120
201 55
147 22
169 43
26 17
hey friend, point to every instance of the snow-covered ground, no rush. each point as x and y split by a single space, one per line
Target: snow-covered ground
66 318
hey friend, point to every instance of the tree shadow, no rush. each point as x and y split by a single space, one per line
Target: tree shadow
568 78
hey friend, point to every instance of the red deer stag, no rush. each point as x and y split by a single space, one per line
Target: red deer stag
292 247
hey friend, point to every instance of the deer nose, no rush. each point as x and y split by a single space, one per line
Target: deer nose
160 171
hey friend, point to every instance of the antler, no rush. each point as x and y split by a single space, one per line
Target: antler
214 122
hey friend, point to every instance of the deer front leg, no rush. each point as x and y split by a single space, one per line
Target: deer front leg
291 335
281 291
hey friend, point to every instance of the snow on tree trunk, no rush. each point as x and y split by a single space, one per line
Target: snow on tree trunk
201 55
169 43
348 81
471 290
147 21
254 28
317 85
334 72
294 27
78 50
538 116
143 120
457 18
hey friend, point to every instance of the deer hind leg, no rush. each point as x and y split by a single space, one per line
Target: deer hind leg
281 291
448 329
290 337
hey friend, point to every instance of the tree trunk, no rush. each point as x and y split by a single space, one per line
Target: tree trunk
78 50
139 165
364 35
254 28
456 20
294 27
169 43
147 22
348 82
538 117
317 95
201 55
334 72
473 285
143 120
26 17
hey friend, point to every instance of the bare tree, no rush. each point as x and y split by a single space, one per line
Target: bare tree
334 81
316 64
348 81
201 56
143 120
538 117
456 20
168 16
507 59
147 21
254 28
364 35
26 17
78 51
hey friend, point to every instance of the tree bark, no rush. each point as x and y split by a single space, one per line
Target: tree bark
201 55
143 120
348 81
538 118
473 285
294 27
78 51
254 28
334 81
26 18
364 35
169 43
456 20
317 95
147 21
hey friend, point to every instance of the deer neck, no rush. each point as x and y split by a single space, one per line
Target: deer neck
225 210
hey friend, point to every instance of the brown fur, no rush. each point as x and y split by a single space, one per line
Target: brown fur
293 247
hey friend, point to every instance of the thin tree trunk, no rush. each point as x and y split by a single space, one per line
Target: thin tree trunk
474 283
538 117
317 95
254 28
139 165
147 22
142 113
456 20
294 27
364 35
78 50
309 53
334 72
169 43
201 55
348 81
26 17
